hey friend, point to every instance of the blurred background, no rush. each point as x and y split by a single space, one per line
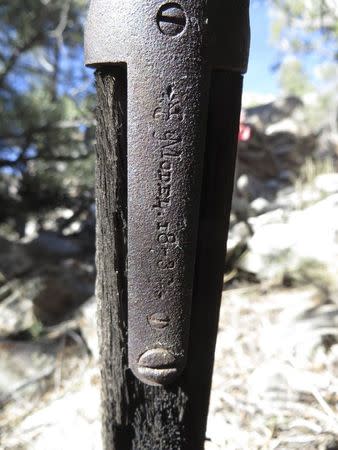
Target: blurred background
275 382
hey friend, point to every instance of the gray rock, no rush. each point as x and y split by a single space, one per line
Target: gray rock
16 314
327 183
283 244
15 259
259 206
275 111
237 240
68 419
63 289
250 187
87 322
286 125
24 366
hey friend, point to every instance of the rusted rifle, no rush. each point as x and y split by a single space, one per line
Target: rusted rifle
183 62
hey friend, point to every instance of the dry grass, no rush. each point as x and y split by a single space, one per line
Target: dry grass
275 384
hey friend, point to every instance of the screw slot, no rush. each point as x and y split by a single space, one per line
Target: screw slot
159 366
171 19
158 321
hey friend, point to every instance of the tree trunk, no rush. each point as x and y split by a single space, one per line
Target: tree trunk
137 416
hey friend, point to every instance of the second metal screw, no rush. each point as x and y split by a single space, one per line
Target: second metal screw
171 19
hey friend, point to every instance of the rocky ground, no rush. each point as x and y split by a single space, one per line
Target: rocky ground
275 382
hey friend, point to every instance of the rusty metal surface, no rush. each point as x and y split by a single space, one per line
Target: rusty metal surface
169 49
112 27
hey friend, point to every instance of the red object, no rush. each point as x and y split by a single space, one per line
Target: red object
244 134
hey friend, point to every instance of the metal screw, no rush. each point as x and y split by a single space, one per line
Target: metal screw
171 19
159 367
158 321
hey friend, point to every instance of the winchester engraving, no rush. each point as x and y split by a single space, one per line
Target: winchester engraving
168 143
168 146
170 106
